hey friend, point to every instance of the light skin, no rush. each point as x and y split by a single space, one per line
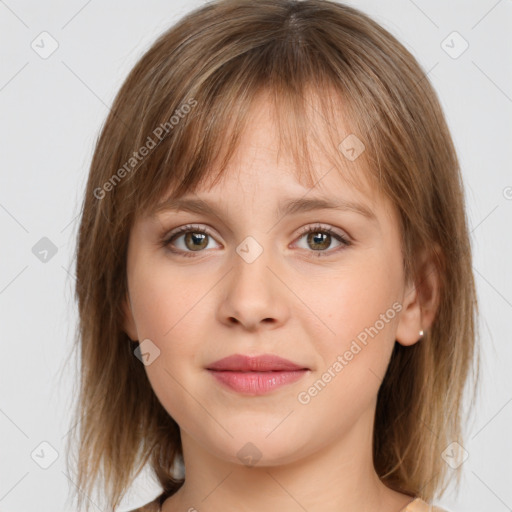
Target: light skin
289 302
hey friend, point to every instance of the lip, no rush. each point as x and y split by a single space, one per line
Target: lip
256 375
260 363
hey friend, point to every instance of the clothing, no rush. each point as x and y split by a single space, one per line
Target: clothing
418 505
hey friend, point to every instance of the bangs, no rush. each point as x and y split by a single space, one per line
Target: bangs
310 108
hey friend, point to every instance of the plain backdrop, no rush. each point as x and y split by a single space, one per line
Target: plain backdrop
51 111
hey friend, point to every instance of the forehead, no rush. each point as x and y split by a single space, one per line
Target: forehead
282 153
266 176
280 149
262 176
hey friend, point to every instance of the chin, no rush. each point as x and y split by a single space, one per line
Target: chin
255 449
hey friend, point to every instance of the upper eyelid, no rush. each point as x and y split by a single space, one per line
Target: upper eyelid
179 231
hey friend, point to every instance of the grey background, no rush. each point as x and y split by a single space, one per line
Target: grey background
51 112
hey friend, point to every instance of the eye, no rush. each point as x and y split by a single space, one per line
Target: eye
319 238
196 238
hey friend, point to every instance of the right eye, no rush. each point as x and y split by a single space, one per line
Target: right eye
195 239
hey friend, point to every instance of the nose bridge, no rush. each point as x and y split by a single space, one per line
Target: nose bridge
251 264
252 295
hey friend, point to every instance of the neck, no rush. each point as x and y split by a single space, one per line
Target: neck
339 477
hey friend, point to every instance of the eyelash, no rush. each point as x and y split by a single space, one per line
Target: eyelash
166 241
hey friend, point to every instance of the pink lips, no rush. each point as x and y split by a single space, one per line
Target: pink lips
256 375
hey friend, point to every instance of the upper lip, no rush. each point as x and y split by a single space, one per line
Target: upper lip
259 363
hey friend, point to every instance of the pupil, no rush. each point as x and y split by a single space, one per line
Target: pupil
195 237
315 236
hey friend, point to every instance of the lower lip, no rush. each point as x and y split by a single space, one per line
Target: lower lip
257 383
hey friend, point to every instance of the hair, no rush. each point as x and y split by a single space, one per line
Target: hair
197 83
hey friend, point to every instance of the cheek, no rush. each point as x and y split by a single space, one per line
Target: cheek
171 309
363 313
364 303
166 309
360 309
163 300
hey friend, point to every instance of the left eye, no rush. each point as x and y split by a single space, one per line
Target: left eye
195 239
320 238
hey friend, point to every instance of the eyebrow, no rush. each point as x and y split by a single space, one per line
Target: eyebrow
287 207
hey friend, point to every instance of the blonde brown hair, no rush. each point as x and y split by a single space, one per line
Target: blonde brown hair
217 59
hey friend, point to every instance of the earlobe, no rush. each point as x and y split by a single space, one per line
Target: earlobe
410 322
420 302
128 321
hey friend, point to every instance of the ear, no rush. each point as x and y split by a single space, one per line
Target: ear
421 299
128 321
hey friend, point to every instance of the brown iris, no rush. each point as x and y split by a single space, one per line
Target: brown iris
198 240
314 237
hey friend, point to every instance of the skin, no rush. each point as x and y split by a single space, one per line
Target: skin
288 302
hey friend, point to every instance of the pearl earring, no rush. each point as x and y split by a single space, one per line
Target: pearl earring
421 333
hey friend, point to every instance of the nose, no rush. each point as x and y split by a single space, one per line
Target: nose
254 295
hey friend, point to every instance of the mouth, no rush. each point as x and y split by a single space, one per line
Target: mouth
256 375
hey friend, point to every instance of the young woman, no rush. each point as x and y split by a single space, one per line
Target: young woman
274 271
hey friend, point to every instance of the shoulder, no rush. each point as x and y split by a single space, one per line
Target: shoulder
418 505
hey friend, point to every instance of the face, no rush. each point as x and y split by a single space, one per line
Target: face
323 288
